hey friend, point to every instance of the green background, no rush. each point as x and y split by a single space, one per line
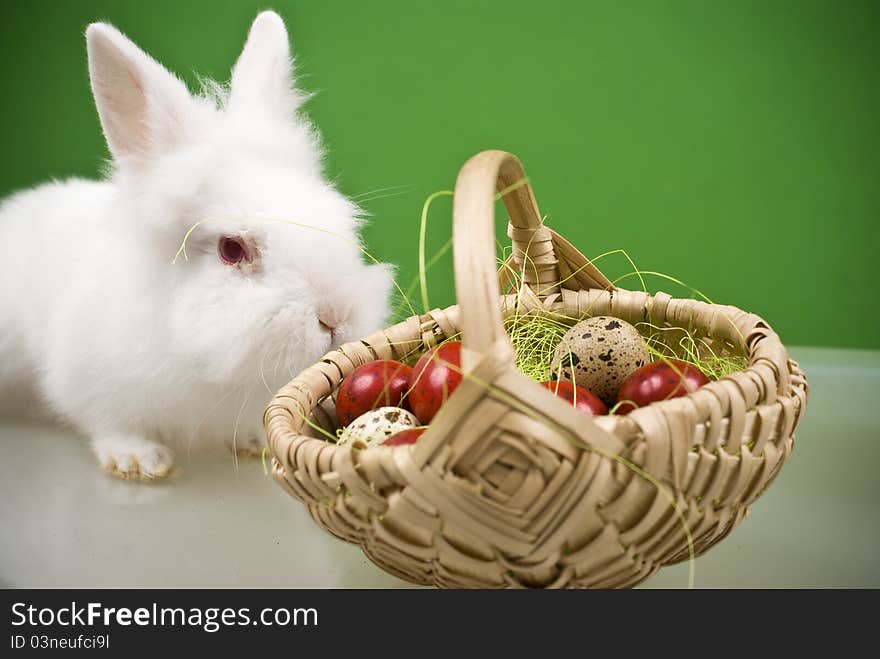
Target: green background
732 145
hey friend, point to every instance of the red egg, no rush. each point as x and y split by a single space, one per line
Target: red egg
408 436
581 398
382 383
435 376
657 381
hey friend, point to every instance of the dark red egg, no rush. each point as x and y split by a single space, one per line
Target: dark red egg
382 383
657 381
582 399
408 436
435 376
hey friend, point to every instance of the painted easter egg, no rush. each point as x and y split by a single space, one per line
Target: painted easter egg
408 436
380 383
578 397
435 376
657 381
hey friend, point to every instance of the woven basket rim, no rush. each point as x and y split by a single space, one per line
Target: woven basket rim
613 422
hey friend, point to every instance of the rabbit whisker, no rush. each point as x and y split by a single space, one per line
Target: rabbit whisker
213 407
263 370
235 428
404 188
277 364
382 196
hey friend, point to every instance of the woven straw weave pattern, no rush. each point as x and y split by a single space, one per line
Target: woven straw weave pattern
510 486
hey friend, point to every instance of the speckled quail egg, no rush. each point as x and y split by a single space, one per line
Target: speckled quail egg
598 354
375 426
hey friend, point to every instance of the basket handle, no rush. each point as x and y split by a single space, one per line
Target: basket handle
473 236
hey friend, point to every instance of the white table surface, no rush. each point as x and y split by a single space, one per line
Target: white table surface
65 523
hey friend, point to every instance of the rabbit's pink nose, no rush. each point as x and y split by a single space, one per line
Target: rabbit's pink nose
329 319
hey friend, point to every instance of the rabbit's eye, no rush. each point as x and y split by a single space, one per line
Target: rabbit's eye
231 250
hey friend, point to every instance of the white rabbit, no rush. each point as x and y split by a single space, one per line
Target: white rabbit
142 354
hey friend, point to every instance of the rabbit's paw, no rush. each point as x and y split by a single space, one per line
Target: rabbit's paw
132 457
248 448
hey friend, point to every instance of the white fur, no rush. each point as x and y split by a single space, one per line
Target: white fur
141 354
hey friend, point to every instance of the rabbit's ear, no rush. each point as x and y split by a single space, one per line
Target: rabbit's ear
143 108
262 79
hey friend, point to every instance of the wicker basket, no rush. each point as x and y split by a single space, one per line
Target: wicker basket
510 486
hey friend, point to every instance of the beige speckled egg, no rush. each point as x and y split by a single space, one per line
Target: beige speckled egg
599 353
375 426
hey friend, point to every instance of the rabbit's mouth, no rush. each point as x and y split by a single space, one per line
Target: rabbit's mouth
330 327
337 338
329 337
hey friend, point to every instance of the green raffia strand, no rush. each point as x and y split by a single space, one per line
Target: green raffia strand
692 350
534 339
423 228
717 367
626 256
663 276
416 281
